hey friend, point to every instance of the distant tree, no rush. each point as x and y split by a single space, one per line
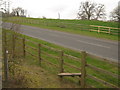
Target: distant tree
100 11
43 17
88 10
19 12
2 9
115 14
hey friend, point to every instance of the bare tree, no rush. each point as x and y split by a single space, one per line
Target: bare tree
100 11
2 6
18 12
115 14
88 10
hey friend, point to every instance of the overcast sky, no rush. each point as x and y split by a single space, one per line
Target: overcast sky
68 9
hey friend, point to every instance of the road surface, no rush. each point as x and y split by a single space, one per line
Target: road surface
103 48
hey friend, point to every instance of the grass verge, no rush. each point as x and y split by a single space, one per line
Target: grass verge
55 24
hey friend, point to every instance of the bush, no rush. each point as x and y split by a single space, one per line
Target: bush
23 77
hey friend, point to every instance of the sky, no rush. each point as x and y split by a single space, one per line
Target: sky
68 9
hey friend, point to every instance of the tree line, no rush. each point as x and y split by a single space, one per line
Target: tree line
94 11
87 11
4 9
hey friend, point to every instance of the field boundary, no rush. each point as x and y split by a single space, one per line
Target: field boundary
60 60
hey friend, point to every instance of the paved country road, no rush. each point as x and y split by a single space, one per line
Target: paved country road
103 48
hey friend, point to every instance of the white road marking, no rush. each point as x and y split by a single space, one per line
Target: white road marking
53 35
93 44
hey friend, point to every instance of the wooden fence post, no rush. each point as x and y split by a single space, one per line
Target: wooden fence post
83 70
89 28
61 62
13 47
109 30
24 48
5 38
98 29
39 53
5 52
5 64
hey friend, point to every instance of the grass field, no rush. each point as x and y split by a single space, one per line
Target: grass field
84 22
71 26
53 71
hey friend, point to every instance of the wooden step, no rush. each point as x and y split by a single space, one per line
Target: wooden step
69 74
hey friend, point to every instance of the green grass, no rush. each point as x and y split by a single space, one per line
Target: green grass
84 22
70 26
53 70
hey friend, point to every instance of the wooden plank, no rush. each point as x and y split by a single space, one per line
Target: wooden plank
92 30
69 74
50 48
31 53
102 71
103 26
50 55
19 37
113 28
31 47
31 42
49 62
102 81
72 66
114 33
72 57
104 31
102 59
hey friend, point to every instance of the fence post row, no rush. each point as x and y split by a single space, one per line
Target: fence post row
39 53
61 62
83 70
24 48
